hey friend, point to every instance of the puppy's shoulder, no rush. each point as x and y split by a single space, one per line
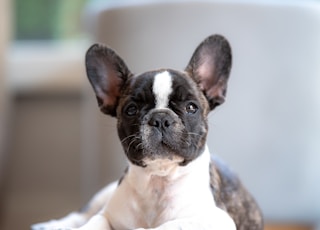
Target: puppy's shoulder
223 181
231 196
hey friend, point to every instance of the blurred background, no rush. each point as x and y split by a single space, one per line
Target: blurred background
57 150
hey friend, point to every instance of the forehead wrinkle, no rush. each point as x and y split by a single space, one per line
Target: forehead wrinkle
162 88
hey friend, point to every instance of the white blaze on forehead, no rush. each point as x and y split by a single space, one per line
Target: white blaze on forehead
162 88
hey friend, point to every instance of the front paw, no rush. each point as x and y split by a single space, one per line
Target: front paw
50 225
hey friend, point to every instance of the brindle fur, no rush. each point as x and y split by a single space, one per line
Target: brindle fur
231 196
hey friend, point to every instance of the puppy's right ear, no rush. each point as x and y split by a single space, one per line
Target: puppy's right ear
107 74
210 67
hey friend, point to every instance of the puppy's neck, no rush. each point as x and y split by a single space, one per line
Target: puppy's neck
169 171
164 190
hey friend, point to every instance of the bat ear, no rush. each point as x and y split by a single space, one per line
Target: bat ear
210 67
107 74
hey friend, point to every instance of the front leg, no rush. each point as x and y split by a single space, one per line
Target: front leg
74 219
97 222
77 219
219 220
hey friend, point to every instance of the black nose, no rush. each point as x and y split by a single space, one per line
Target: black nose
161 120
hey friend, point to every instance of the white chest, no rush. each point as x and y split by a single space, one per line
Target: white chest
145 199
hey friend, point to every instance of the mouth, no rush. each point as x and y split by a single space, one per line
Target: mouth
163 136
164 142
162 167
150 145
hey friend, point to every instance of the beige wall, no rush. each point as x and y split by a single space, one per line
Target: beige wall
5 17
5 34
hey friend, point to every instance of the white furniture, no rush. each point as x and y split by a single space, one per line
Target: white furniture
269 128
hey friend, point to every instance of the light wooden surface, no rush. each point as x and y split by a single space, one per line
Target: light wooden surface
287 227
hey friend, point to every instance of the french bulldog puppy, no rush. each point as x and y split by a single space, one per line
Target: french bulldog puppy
172 181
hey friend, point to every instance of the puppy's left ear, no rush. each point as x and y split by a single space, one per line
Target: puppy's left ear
210 67
107 74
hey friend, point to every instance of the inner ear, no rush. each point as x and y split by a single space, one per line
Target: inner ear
107 74
210 67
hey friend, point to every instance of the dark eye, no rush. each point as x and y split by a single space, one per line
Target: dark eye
131 110
191 108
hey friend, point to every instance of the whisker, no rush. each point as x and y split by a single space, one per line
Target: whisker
129 146
126 138
139 146
132 142
134 136
195 134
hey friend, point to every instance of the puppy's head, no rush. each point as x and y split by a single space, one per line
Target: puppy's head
162 114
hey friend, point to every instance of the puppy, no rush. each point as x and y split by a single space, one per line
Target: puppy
172 181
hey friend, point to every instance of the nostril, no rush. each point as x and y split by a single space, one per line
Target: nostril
154 123
161 121
166 123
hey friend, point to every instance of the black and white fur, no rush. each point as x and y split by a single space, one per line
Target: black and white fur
172 182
